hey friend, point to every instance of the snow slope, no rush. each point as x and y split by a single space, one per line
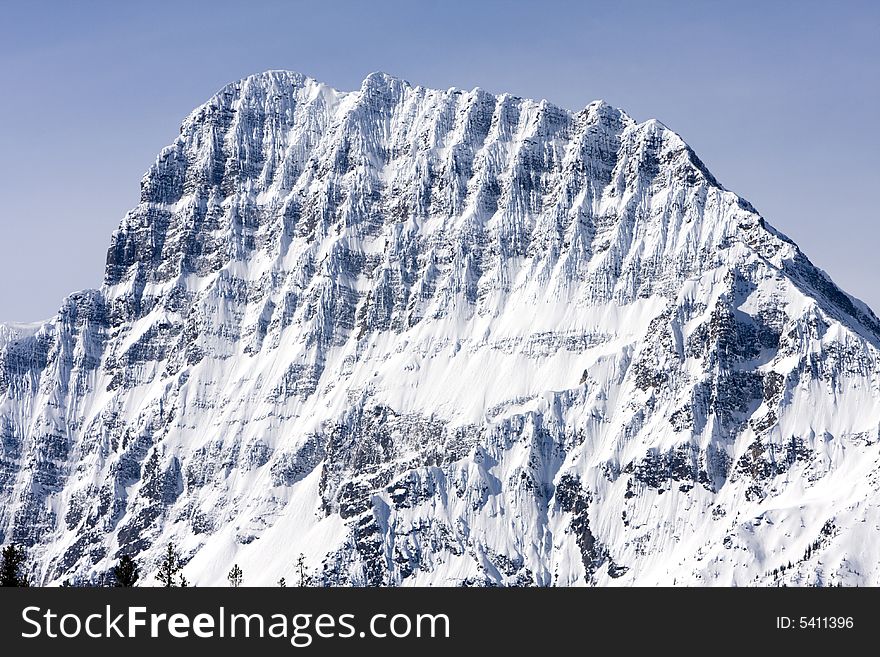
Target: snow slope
444 337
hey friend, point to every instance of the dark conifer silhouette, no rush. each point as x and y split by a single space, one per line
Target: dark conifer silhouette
301 567
126 572
235 576
12 565
169 567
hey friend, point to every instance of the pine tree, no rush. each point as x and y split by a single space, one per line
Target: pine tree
184 582
126 572
235 576
169 567
282 583
301 567
11 565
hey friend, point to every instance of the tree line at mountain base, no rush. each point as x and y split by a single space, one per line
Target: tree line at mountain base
127 572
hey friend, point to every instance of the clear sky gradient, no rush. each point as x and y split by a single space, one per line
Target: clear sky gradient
779 99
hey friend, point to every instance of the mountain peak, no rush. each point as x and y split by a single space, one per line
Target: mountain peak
380 79
436 337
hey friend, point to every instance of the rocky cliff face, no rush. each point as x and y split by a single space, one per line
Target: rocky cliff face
444 337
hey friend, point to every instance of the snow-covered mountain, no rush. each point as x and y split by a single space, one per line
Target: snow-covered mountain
444 337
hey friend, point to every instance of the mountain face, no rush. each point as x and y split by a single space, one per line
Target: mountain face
447 338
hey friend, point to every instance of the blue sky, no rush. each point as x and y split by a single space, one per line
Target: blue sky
779 99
